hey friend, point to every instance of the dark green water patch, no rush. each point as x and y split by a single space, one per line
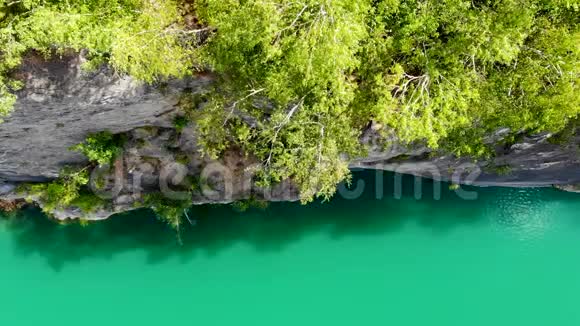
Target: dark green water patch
509 257
377 211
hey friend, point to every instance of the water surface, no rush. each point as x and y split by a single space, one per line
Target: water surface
511 257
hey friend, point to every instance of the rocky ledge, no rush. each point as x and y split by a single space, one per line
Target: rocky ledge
61 104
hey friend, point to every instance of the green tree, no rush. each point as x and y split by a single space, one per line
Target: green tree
144 38
286 87
298 81
301 80
101 148
62 192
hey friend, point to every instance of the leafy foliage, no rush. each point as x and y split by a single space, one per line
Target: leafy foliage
462 69
294 59
246 204
68 190
566 133
87 201
502 169
145 38
168 210
301 80
180 122
101 147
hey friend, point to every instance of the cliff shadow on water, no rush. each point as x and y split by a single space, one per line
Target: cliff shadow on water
380 207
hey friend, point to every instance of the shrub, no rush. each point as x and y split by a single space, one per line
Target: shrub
101 147
503 170
62 192
180 122
168 210
252 202
69 190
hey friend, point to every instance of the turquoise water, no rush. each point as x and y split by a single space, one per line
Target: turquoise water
511 257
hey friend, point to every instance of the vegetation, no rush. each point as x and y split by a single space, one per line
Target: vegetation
567 133
179 123
245 204
503 170
168 210
299 81
71 188
302 79
101 148
66 191
141 37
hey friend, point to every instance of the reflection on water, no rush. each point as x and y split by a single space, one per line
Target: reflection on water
508 258
525 214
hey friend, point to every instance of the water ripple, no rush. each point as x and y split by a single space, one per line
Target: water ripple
521 214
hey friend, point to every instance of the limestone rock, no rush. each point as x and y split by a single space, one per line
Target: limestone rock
60 104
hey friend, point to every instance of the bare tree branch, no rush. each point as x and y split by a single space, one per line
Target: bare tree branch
280 126
13 3
233 106
279 33
187 216
320 141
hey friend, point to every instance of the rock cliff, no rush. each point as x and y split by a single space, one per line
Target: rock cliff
61 104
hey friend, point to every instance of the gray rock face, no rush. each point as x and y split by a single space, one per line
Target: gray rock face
6 188
61 104
535 161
